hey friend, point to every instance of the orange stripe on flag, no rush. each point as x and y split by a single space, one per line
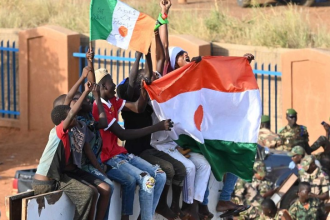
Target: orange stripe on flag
224 74
142 34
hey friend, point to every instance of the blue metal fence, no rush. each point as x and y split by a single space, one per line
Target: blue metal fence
9 105
266 77
119 62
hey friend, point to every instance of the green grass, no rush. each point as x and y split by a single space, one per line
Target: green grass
287 28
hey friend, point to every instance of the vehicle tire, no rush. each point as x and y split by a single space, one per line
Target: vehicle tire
289 198
244 3
306 3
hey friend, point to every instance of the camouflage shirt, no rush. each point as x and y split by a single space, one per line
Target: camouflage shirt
297 135
312 210
319 181
267 138
263 217
251 194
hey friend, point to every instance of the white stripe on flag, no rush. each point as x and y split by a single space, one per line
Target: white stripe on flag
227 116
124 18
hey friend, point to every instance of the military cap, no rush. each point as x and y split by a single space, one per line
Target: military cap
265 118
259 167
297 150
291 111
306 161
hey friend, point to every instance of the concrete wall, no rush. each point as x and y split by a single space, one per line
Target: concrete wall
305 88
47 70
58 205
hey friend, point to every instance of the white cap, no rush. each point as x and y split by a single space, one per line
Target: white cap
173 52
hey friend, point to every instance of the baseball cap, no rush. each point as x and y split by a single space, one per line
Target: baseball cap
265 118
306 162
291 111
99 74
259 167
297 150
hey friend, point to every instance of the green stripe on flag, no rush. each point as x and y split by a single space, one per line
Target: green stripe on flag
100 15
224 156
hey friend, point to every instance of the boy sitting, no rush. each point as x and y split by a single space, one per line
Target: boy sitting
50 175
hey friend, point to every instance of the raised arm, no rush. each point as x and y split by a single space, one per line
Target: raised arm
76 107
163 31
129 134
132 76
103 122
75 87
148 69
90 60
160 54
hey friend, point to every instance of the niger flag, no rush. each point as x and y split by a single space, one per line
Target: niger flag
120 25
215 106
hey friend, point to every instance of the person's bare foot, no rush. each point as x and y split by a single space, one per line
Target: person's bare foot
205 212
192 210
166 212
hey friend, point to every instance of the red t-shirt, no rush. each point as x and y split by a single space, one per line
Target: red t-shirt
110 147
64 136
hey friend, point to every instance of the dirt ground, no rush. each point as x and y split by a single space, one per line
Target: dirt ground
23 150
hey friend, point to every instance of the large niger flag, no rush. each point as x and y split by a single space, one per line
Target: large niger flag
215 106
120 25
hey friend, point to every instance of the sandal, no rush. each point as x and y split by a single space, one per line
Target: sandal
230 212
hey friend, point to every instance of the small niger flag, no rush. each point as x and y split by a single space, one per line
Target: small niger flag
120 25
216 108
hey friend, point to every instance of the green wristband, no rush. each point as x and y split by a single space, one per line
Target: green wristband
160 21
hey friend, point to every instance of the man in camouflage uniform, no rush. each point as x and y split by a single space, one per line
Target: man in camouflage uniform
318 179
266 137
296 154
253 193
293 134
306 208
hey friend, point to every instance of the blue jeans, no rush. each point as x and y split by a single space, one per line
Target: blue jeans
206 195
95 172
128 169
228 187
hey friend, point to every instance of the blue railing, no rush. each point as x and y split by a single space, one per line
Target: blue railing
8 107
263 74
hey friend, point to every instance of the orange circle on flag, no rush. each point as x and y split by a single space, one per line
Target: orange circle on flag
198 117
123 31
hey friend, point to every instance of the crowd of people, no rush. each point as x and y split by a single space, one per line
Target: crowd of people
313 190
83 158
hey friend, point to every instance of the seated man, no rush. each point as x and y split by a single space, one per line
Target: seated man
254 193
312 174
293 134
266 137
271 212
296 154
306 207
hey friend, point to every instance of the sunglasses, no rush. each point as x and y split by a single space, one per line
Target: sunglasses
292 116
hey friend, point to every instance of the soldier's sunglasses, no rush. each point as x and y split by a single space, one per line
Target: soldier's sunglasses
292 116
